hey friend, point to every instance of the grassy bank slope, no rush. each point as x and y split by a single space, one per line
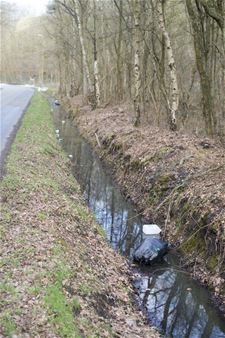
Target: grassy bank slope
174 179
59 277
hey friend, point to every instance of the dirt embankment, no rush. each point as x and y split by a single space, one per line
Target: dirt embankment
59 277
174 179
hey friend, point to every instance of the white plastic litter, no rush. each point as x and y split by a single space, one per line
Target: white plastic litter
151 229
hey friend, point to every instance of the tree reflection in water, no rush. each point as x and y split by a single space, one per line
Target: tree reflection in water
175 303
117 217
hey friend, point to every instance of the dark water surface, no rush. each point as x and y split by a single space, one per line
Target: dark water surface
177 305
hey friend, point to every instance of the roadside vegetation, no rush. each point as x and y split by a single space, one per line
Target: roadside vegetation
59 277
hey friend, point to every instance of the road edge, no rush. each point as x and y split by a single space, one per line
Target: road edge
5 152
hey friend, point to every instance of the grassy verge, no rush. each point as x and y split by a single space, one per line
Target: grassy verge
59 277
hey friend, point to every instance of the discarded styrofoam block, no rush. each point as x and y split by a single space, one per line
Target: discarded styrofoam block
151 230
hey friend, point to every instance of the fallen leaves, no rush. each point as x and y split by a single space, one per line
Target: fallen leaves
139 157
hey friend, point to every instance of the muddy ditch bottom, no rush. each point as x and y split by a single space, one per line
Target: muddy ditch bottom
172 301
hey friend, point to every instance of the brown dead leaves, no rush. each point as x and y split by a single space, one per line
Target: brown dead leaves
172 178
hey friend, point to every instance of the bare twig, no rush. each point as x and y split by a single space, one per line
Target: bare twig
97 139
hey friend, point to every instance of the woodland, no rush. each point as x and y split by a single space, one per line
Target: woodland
164 58
143 82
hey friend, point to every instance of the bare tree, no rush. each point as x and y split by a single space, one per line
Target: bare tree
169 63
137 70
96 71
203 16
173 105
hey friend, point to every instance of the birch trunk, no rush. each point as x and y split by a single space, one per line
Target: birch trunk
137 73
96 72
174 101
97 88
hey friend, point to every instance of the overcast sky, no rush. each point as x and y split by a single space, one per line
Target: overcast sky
36 7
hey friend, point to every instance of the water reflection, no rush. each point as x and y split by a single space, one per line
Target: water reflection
176 304
122 226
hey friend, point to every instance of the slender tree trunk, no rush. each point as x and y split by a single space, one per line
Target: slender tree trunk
96 72
97 88
174 102
104 57
84 54
137 72
144 77
119 55
62 89
202 60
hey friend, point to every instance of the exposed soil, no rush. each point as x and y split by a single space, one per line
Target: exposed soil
174 179
59 276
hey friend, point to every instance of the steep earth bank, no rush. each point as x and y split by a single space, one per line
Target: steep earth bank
175 180
59 277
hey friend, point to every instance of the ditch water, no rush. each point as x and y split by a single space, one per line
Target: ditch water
174 303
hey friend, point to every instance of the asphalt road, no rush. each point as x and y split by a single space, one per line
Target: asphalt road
13 102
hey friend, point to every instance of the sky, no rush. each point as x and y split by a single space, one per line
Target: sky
34 7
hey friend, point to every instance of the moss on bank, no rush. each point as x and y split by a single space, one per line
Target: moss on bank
55 260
